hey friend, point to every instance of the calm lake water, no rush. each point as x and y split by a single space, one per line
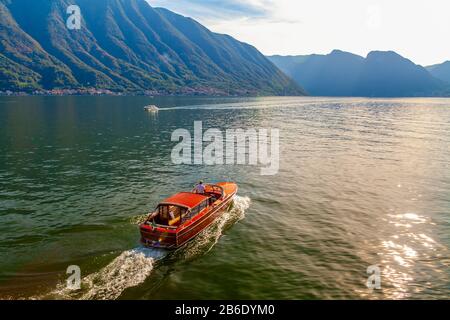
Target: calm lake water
361 182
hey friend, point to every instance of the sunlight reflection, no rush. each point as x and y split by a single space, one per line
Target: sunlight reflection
412 217
401 252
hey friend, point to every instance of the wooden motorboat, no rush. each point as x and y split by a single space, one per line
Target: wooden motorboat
181 217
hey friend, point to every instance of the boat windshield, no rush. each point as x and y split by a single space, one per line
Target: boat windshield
214 191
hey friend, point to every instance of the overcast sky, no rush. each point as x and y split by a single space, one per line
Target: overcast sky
416 29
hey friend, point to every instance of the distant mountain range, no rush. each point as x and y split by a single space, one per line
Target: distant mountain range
127 46
441 71
380 74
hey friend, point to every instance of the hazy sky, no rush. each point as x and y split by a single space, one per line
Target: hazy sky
416 29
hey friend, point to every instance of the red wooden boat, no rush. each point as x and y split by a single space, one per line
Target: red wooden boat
183 216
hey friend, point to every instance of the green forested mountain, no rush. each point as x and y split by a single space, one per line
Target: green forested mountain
380 74
126 46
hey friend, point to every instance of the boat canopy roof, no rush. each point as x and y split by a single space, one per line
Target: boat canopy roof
185 199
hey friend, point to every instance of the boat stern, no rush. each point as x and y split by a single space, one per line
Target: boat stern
158 237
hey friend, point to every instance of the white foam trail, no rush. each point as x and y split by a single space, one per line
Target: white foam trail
129 269
258 104
241 204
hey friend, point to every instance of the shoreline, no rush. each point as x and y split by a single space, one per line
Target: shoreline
131 94
188 92
198 95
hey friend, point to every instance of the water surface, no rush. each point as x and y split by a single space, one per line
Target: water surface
362 182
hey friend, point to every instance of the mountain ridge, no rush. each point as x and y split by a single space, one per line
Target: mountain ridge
379 74
441 71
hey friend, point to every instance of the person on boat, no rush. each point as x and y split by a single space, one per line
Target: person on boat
200 188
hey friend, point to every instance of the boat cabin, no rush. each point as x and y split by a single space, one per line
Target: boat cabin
183 206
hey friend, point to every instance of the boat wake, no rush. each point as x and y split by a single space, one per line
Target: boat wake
129 269
206 240
251 103
133 267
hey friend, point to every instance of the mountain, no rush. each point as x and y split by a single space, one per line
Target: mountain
380 74
335 74
389 74
441 71
126 46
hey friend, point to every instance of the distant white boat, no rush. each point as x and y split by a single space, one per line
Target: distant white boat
151 108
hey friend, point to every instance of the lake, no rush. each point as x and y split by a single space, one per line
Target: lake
362 183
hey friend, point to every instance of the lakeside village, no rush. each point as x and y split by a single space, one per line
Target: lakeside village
185 91
71 92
